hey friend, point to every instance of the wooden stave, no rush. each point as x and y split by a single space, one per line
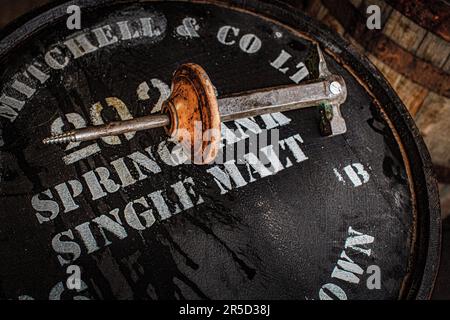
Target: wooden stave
391 55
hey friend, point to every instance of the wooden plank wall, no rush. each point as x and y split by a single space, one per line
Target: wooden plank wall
412 50
11 9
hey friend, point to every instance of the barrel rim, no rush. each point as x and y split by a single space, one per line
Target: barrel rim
426 257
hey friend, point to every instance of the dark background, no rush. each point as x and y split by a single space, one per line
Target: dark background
11 9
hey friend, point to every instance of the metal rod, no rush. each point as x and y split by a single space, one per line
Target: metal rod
110 129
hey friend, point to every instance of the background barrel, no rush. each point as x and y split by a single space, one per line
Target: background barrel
412 50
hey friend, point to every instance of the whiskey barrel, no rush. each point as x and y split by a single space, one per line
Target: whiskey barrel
353 216
13 9
412 50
